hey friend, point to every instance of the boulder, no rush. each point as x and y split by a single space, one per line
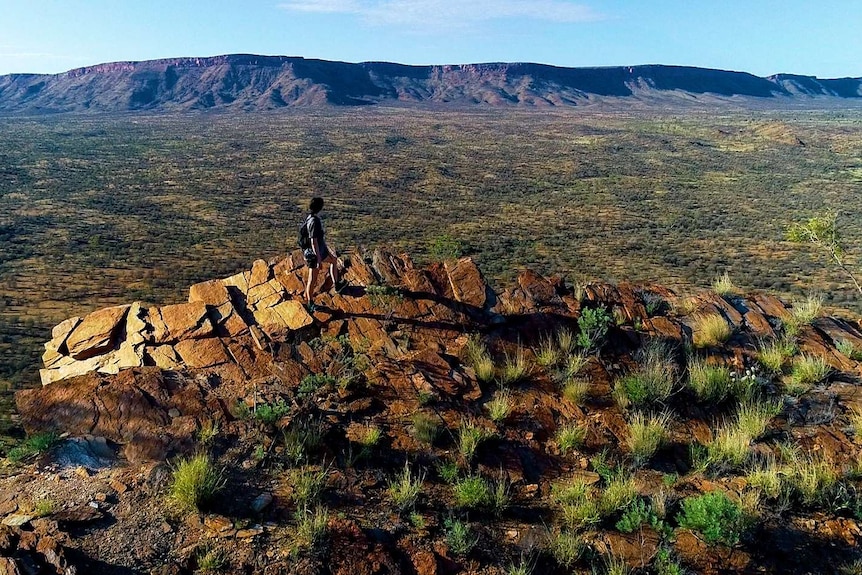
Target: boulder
215 295
287 315
173 323
164 357
468 285
97 333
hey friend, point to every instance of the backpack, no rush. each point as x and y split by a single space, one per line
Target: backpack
304 239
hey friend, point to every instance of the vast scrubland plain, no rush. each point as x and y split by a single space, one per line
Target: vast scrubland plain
102 210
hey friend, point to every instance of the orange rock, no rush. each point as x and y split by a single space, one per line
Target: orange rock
201 353
97 333
467 282
172 323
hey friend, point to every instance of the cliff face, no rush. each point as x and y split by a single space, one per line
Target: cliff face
249 82
406 365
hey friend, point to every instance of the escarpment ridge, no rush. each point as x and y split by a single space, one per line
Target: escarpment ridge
248 82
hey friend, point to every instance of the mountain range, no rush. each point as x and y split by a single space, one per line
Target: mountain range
245 82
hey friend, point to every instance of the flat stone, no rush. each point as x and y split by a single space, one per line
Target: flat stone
218 523
252 531
202 353
17 519
261 502
164 357
96 334
173 323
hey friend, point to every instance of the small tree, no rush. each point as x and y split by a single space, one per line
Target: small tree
824 234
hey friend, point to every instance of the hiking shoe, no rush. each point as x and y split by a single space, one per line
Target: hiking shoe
340 286
310 307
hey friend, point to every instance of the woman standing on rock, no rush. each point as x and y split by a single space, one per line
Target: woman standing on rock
317 253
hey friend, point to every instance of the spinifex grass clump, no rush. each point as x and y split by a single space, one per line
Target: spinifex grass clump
802 313
849 349
405 489
577 502
711 330
469 438
710 383
807 371
459 536
646 435
500 405
571 436
576 390
515 368
753 417
722 285
425 427
196 480
548 353
715 516
33 445
307 483
567 548
773 356
472 492
479 359
652 382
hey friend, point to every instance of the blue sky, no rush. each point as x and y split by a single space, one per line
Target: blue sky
814 37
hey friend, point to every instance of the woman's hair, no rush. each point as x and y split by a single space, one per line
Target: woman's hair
315 205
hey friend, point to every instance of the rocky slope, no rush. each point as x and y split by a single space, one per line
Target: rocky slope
251 82
241 372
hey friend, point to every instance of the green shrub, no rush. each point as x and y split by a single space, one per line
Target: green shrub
269 413
500 406
44 507
459 536
807 371
501 495
472 492
383 296
448 471
444 248
710 383
636 514
523 567
715 516
664 564
405 489
470 436
310 384
477 356
425 427
32 446
711 330
593 325
646 435
570 437
195 482
211 559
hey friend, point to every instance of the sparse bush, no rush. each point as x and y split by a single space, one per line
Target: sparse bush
710 383
723 286
715 516
775 354
385 297
459 536
470 436
500 406
593 328
570 437
521 568
711 330
195 482
652 382
636 514
310 384
425 427
44 507
477 356
807 371
567 548
646 435
472 492
664 563
405 489
515 368
576 390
